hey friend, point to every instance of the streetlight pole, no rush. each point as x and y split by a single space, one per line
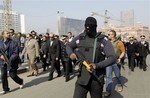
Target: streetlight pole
58 21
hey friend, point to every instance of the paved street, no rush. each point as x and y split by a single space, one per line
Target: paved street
136 86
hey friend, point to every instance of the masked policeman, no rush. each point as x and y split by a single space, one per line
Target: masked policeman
99 52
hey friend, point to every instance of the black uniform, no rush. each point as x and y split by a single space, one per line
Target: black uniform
104 49
143 50
131 52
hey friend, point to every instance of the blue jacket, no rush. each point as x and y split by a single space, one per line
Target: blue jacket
12 53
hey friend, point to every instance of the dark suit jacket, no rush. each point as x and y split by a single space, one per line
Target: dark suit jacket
12 53
143 49
44 48
54 50
131 48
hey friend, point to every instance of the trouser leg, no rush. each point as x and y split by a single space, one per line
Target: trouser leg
4 78
109 78
14 76
80 91
96 89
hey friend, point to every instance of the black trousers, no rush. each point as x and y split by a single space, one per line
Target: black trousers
143 62
13 75
44 63
93 87
67 66
54 66
131 61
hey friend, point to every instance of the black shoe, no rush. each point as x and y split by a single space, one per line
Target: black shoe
132 70
107 94
144 69
50 78
67 78
59 75
3 92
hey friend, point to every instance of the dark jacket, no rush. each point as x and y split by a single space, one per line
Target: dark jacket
54 50
131 48
44 48
12 53
143 49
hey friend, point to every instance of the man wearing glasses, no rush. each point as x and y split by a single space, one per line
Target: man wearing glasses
32 50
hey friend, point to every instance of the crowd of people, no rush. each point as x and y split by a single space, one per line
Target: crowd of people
108 55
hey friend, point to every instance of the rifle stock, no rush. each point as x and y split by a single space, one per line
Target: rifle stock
5 57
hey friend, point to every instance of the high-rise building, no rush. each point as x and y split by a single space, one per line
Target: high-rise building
66 25
18 22
128 17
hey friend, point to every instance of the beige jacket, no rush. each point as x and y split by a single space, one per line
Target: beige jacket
31 48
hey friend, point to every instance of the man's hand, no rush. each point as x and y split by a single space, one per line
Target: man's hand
56 58
137 54
73 56
44 56
2 57
118 60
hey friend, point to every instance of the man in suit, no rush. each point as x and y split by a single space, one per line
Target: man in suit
11 50
143 50
54 53
32 51
131 48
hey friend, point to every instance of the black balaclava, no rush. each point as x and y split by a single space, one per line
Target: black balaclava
90 26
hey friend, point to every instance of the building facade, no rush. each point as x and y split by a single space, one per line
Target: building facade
65 25
128 17
18 21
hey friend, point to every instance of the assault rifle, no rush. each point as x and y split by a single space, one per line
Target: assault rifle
5 57
81 61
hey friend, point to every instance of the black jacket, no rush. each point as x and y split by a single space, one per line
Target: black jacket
143 49
54 50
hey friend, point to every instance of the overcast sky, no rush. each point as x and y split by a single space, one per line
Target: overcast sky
42 14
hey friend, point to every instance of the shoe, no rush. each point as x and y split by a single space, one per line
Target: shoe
36 73
107 94
30 75
21 86
50 78
119 88
144 69
59 75
67 78
3 92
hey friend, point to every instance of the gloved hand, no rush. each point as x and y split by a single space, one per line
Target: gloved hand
92 65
